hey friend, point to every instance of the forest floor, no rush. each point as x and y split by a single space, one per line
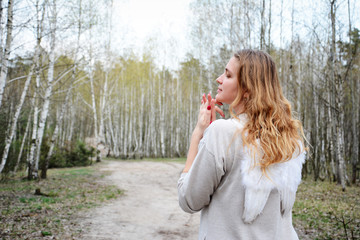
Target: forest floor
148 209
138 200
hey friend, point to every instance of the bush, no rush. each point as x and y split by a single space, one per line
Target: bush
73 157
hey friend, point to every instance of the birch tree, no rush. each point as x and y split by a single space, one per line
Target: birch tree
67 97
48 91
40 15
6 53
15 120
336 78
23 142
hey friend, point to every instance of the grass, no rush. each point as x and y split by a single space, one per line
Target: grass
323 211
24 215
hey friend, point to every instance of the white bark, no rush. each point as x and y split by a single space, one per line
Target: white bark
141 122
178 120
153 114
23 143
72 121
9 138
126 122
40 20
112 135
6 55
338 101
1 26
130 119
162 113
56 131
93 104
48 91
74 71
262 27
102 109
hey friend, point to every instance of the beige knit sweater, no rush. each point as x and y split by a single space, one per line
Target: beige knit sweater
235 200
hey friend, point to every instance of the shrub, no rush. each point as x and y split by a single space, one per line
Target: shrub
74 156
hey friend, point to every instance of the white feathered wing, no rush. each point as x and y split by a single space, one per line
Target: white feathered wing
285 177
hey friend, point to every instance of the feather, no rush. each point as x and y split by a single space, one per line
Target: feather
285 177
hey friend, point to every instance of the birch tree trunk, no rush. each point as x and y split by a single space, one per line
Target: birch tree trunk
1 28
6 54
141 123
39 30
162 113
55 134
178 120
23 142
126 123
102 109
66 102
262 27
355 132
337 79
269 30
9 138
48 91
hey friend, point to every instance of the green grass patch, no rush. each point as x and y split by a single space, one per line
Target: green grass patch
66 191
323 211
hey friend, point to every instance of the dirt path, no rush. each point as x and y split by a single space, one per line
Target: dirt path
149 208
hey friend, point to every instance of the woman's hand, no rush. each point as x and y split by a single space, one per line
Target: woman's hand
214 109
204 117
207 113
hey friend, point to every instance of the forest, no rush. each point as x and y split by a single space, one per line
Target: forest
68 89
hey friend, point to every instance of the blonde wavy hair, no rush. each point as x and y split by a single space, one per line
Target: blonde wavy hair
268 111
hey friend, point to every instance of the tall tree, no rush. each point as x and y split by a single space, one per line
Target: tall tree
336 78
40 15
48 91
15 120
6 53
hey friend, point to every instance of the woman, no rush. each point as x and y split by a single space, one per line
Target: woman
243 173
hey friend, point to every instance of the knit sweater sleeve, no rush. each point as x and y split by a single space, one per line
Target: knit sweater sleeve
196 187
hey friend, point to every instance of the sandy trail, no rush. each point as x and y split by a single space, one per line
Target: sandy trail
149 208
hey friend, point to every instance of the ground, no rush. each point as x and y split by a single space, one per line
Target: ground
138 200
148 209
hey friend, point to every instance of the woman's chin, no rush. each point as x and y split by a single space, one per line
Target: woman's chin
220 99
217 98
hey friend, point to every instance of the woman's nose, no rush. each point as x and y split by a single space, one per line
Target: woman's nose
219 80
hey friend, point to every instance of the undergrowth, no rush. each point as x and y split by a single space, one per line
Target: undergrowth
50 213
323 211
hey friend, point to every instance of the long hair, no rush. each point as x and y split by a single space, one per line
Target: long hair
270 120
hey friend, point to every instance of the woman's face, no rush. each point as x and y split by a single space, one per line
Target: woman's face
228 82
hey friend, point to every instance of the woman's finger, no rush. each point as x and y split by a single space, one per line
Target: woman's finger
218 103
218 110
209 98
213 113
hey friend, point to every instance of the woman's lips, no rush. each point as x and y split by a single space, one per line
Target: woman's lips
219 90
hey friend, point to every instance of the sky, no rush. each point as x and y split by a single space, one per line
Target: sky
157 25
162 27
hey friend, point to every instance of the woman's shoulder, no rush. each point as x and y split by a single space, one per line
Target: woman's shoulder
230 124
223 130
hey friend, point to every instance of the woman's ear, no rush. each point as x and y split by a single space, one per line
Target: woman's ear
246 95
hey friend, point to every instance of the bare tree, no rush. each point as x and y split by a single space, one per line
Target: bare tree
6 53
48 91
15 120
